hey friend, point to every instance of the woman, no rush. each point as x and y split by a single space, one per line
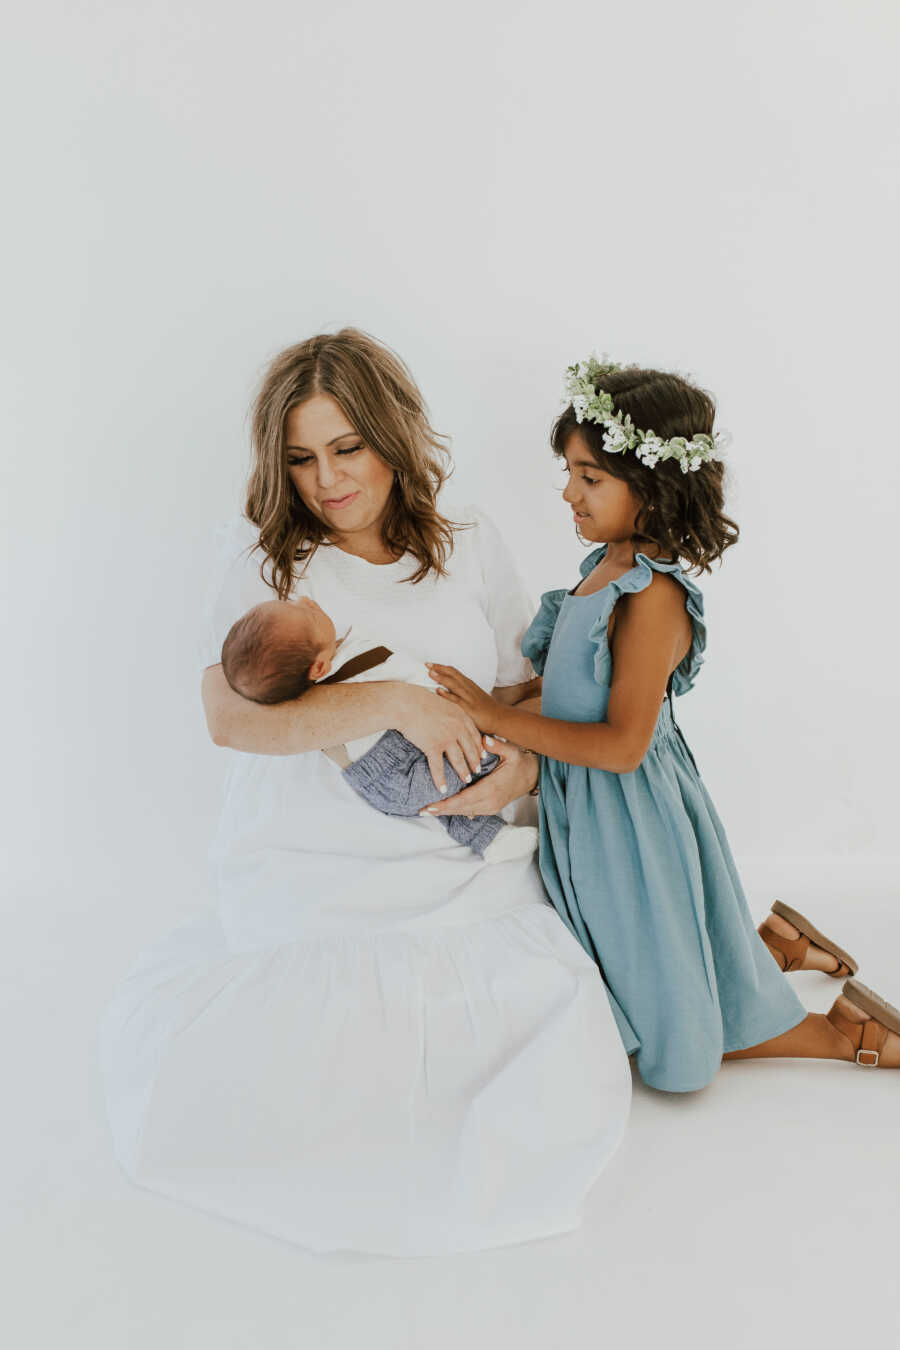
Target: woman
376 1042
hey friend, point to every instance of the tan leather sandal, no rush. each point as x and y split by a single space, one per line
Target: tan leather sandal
866 1038
794 949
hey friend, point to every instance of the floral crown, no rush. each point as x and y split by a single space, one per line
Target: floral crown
621 434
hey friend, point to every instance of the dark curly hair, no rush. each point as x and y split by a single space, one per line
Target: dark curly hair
686 520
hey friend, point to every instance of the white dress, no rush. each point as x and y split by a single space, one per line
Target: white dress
374 1041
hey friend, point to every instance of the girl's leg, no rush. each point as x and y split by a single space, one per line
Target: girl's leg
816 1038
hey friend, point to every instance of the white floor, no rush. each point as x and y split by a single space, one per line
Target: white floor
762 1211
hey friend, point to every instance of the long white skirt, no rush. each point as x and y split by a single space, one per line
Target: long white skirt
388 1077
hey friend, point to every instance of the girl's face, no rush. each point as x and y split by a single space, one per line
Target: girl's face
339 479
603 507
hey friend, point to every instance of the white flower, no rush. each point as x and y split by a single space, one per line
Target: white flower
615 437
620 433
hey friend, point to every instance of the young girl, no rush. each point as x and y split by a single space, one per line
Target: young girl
632 852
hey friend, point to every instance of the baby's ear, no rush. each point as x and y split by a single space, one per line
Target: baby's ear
318 668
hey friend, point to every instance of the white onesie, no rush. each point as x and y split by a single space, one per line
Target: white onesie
398 666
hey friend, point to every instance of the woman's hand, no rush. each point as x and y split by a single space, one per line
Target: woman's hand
438 728
484 710
514 776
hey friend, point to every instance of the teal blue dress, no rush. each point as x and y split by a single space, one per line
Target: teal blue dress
638 864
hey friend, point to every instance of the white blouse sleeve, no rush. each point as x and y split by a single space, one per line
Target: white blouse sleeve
508 605
236 586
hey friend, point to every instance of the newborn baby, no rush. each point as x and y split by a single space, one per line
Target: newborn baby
280 648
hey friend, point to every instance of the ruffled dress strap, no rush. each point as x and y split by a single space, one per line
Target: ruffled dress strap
638 579
536 638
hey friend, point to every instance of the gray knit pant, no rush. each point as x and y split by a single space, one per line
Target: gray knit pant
394 778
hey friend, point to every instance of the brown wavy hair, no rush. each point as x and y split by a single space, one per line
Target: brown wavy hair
680 512
379 397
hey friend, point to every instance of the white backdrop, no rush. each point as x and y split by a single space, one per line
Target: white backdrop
493 189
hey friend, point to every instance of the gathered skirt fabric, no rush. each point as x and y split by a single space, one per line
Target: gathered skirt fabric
416 1058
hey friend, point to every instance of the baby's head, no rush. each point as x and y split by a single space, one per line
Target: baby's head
278 649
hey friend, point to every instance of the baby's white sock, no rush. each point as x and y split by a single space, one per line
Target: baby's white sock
513 841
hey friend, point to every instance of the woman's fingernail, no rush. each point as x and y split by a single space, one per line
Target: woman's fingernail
489 740
485 755
468 778
428 811
443 787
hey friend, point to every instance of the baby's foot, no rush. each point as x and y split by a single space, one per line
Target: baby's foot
513 841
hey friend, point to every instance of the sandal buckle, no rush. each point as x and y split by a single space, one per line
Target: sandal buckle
867 1063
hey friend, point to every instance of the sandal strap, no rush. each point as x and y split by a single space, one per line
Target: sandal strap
792 949
866 1038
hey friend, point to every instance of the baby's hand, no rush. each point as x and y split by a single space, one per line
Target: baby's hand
467 695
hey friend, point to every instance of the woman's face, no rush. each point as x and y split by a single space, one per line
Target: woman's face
339 479
604 508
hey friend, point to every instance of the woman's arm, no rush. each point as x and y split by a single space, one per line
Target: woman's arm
649 641
517 693
328 716
321 718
